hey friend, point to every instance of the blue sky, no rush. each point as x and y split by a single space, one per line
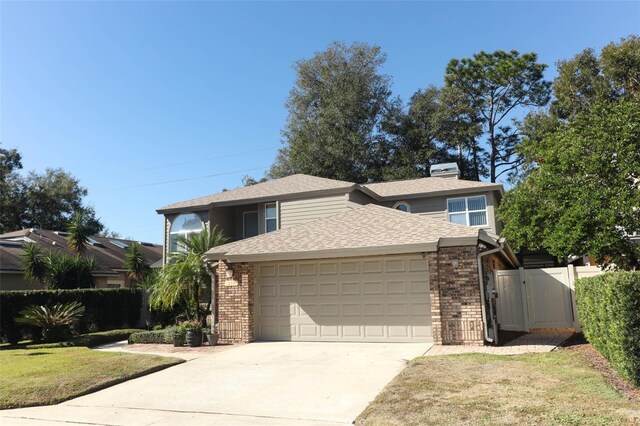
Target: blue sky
126 95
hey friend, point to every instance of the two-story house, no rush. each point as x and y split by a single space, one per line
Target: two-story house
315 259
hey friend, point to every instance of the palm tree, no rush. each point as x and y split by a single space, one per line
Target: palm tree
185 278
56 270
79 233
136 264
34 263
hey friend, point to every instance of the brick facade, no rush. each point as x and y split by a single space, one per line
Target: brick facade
456 313
235 302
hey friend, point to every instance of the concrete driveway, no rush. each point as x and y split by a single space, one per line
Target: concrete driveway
260 383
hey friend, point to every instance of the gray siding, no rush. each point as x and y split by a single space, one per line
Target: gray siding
296 212
224 219
359 198
436 208
11 281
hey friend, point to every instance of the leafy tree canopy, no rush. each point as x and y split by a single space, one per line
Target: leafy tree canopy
584 193
496 85
44 200
335 110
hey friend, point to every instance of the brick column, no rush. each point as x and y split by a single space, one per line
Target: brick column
455 293
235 302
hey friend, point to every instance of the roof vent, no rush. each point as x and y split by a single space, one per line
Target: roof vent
445 170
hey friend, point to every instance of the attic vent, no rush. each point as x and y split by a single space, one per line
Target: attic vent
445 170
62 234
146 244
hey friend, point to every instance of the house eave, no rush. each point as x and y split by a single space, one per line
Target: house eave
459 191
325 254
245 201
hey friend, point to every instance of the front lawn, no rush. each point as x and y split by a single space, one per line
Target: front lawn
555 388
52 375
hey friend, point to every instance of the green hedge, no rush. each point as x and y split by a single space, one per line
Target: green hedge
89 340
155 336
609 311
105 309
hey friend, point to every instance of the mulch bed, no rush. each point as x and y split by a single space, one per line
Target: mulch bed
578 343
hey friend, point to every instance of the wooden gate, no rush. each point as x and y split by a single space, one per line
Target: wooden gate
539 298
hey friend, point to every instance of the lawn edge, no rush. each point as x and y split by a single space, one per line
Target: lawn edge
172 363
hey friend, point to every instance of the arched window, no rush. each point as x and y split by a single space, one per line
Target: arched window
183 226
402 206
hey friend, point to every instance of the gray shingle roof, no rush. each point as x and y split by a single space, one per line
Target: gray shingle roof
290 185
370 229
109 257
428 185
297 185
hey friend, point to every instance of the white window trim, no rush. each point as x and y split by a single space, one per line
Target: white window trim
277 218
402 203
244 231
467 211
184 233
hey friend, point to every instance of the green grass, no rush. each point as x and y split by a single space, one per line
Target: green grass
555 388
52 375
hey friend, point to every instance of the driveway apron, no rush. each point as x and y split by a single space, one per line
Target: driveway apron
259 383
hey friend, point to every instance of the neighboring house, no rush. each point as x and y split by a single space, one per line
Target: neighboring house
315 259
108 252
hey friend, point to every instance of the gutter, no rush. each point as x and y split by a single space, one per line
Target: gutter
482 297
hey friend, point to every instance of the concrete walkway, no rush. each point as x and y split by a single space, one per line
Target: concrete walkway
183 352
541 340
255 384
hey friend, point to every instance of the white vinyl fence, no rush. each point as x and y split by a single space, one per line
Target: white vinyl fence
539 298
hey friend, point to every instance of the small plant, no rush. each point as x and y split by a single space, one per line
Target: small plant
192 325
52 319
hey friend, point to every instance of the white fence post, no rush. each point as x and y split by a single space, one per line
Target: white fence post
574 306
525 299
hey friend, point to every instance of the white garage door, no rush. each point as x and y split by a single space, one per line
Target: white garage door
371 299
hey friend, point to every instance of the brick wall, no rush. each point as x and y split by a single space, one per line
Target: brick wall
235 302
455 296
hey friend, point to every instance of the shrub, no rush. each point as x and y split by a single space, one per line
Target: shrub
105 309
90 339
157 336
51 319
609 311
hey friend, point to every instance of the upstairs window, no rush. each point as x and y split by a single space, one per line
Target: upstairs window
183 226
470 211
403 206
250 224
270 217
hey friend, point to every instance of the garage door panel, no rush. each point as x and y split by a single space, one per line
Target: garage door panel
308 289
306 269
350 289
329 310
371 266
287 270
287 290
328 289
376 299
309 330
375 331
347 267
328 268
330 331
374 287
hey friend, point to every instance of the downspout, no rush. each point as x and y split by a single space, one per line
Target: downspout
481 280
210 271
